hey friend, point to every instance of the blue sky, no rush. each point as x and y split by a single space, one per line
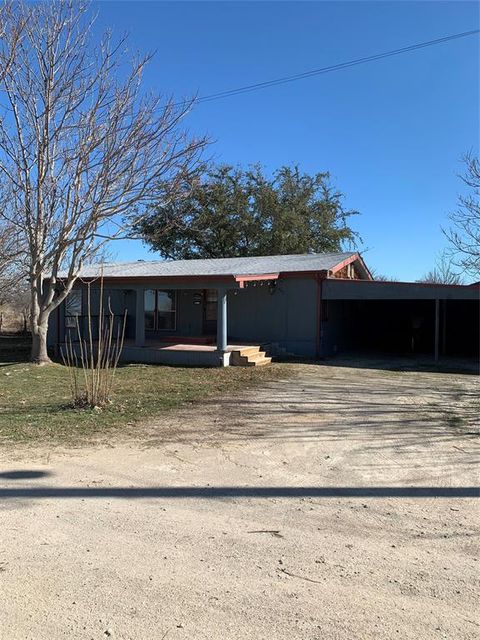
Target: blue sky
390 132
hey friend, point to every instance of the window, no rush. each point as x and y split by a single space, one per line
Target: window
160 310
73 307
210 311
166 320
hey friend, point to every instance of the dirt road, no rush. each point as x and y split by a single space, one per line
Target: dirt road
335 505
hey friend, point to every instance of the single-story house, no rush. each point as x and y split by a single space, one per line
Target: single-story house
233 310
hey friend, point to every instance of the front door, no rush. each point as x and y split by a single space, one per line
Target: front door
210 298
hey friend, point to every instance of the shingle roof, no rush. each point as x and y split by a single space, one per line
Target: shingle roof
218 266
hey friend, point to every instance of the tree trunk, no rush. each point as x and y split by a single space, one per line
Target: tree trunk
38 315
39 353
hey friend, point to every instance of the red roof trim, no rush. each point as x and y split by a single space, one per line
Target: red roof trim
356 257
302 274
260 276
344 263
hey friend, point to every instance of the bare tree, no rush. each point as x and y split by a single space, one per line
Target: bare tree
15 305
12 261
14 298
464 235
80 144
10 243
15 33
443 273
379 276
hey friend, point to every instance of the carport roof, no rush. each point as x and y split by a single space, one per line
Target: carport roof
336 289
255 266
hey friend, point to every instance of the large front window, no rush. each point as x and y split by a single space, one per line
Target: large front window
160 310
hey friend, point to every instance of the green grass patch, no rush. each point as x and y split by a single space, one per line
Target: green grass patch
35 402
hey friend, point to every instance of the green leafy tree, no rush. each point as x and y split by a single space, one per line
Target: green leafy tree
234 212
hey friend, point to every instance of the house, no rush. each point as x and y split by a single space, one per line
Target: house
211 312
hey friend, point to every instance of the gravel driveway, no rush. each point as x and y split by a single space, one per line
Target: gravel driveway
336 504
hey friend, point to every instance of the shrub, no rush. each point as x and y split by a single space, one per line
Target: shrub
92 361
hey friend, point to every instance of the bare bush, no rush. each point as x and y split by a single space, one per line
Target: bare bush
92 360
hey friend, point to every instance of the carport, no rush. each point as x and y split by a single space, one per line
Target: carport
399 318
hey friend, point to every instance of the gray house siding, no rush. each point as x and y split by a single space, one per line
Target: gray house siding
287 317
336 320
189 314
55 327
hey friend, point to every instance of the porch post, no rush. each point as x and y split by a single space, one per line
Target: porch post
444 327
222 321
437 328
140 319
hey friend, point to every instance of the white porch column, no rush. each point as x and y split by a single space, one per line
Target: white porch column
140 319
222 321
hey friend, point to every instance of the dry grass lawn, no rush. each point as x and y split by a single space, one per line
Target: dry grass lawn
36 407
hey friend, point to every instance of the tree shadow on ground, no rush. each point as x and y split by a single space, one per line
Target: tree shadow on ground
395 362
24 474
403 423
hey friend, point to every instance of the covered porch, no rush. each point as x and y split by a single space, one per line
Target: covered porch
172 322
167 338
188 327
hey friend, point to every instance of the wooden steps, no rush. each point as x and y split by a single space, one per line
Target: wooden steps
249 357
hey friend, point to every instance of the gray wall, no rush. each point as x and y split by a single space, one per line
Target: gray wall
287 317
336 320
55 327
189 315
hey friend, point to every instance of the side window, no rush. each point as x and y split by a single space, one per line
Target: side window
211 297
73 307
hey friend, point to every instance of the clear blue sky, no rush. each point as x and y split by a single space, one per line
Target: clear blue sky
390 132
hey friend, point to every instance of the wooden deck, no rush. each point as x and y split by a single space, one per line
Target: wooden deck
192 354
186 354
183 345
